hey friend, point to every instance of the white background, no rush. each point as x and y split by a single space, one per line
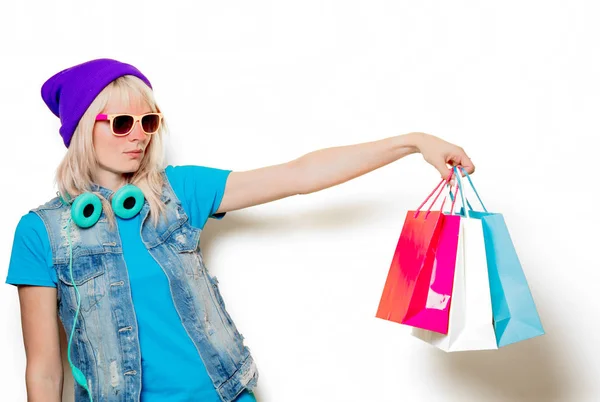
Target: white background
246 84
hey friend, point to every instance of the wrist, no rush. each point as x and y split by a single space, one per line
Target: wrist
412 142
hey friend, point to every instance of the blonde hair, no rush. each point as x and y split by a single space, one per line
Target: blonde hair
75 172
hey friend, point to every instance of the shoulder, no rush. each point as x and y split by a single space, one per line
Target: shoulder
29 220
186 170
34 217
54 203
43 214
31 225
189 175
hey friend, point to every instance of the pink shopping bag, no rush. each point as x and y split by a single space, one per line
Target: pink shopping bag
419 283
430 305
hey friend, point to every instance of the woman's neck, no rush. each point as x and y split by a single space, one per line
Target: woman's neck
110 180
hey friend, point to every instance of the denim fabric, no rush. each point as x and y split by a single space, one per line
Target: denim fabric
105 344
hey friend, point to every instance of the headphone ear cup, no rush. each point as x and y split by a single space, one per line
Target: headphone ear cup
86 210
128 201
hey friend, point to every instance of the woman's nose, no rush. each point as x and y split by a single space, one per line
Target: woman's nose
137 133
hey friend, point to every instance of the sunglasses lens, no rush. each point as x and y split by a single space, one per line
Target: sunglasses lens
122 124
150 123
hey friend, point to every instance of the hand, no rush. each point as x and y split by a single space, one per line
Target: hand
440 154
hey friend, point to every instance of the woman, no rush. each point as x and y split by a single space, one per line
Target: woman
116 254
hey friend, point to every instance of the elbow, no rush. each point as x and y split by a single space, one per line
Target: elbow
302 187
300 181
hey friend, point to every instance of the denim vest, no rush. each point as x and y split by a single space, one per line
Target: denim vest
105 345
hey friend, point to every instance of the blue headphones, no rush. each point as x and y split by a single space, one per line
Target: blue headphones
85 212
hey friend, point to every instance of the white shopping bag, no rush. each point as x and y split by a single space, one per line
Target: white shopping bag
471 324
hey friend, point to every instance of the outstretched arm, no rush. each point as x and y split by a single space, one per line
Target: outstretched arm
328 167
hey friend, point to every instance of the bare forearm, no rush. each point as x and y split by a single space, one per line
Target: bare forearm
328 167
40 389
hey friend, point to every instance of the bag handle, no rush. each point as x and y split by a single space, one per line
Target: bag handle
462 195
452 197
472 186
441 183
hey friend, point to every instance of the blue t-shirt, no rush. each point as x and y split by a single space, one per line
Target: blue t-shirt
171 366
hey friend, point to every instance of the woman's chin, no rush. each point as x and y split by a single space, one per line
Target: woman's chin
130 167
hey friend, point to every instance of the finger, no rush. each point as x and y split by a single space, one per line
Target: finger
464 162
444 170
467 164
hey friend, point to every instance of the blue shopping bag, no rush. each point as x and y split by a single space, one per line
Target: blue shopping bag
515 315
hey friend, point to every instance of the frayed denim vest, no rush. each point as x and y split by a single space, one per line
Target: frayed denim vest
105 345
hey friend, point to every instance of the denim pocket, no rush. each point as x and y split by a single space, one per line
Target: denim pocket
87 274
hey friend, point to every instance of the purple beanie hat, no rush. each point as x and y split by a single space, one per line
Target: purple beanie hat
70 92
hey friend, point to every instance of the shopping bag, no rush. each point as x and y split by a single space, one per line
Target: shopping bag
470 319
432 312
515 315
409 276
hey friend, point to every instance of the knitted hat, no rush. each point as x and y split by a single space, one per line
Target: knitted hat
70 92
